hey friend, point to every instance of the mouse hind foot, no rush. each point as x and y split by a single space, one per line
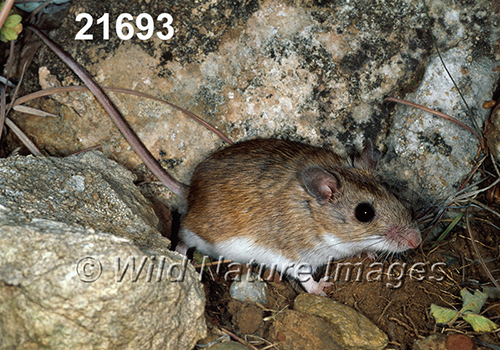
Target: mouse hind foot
313 287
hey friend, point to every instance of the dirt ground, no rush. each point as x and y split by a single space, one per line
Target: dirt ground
397 299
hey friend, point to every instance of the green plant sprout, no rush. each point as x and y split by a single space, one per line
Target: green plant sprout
12 26
472 304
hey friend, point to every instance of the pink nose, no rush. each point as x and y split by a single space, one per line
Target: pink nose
414 238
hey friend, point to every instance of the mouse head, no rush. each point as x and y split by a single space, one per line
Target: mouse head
354 207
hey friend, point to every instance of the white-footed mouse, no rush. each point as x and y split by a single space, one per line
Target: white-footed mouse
286 203
278 202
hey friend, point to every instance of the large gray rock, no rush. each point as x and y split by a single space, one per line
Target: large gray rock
430 155
82 264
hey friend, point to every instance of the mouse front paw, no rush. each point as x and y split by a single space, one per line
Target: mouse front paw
182 248
313 287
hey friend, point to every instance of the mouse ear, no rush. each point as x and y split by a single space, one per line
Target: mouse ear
319 183
368 159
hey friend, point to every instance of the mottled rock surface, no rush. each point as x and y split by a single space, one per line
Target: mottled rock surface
430 155
88 190
83 265
316 72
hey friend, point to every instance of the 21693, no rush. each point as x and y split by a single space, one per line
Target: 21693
124 27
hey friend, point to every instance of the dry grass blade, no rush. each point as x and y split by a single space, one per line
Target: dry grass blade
24 139
3 109
15 129
238 339
33 111
479 204
4 81
436 46
88 149
461 194
442 115
474 245
17 88
473 194
495 165
10 62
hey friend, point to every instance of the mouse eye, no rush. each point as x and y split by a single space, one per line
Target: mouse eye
365 212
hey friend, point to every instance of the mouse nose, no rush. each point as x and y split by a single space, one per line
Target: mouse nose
414 238
404 237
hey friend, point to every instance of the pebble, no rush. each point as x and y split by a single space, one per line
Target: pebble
249 288
300 331
352 330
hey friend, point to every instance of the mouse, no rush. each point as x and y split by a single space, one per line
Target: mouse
286 203
274 201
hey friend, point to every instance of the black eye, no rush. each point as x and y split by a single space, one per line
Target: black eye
364 212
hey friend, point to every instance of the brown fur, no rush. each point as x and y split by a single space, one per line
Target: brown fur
255 189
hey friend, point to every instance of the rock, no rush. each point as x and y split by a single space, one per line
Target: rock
248 319
351 329
249 288
492 133
438 151
83 265
87 190
492 292
459 342
317 73
432 342
299 331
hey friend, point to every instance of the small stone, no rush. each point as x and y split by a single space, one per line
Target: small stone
296 330
458 342
432 342
249 288
351 329
281 337
493 293
248 319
